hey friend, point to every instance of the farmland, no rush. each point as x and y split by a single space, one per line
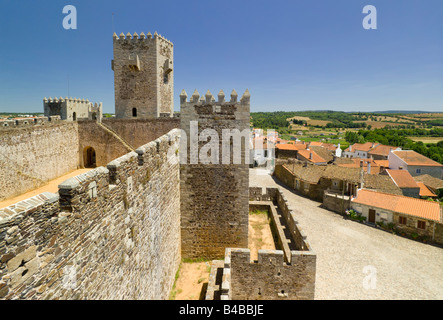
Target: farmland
421 131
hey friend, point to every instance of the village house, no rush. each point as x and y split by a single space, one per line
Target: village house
359 150
404 180
425 192
261 152
369 165
433 184
415 163
310 156
381 152
288 150
313 180
410 215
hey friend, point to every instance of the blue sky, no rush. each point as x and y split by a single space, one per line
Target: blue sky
291 55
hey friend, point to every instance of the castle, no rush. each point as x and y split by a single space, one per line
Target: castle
120 230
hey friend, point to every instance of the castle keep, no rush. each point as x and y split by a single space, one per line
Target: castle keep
143 76
161 188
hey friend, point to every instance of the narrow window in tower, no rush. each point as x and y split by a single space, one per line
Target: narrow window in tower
134 112
166 78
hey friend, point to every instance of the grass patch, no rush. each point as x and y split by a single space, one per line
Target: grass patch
174 290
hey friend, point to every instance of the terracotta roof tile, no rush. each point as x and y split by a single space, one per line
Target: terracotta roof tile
413 158
306 154
400 204
402 178
290 146
382 150
430 181
362 146
424 191
310 173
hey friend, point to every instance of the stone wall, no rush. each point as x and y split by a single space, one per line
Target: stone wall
105 144
31 155
284 274
214 207
111 233
336 202
139 131
312 190
271 278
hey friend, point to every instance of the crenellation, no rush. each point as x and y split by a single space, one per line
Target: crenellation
143 76
275 275
120 230
90 225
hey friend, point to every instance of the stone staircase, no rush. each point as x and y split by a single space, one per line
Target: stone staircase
116 135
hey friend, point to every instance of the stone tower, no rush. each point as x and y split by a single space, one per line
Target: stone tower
214 175
143 76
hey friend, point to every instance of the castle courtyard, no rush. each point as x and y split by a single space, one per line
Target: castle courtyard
357 261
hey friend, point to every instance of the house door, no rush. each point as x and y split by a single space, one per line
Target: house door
371 217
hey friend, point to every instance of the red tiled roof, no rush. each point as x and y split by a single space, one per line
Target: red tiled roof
382 150
362 146
402 178
290 146
413 158
315 157
382 163
400 204
424 191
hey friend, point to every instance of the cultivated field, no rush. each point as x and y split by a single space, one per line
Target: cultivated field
427 139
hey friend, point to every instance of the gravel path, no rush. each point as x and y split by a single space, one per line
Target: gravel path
356 261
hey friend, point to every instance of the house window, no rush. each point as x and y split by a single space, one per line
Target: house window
134 112
402 220
417 170
421 224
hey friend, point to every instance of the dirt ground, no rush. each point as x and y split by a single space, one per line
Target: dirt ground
193 276
51 186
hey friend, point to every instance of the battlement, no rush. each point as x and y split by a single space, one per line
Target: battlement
288 272
112 218
208 98
270 277
143 75
141 37
28 122
72 109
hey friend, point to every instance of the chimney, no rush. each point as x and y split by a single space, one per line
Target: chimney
310 155
369 167
350 148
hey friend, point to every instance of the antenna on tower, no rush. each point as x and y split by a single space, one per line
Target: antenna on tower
113 29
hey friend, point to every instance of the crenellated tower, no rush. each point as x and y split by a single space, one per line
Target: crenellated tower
214 173
143 76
